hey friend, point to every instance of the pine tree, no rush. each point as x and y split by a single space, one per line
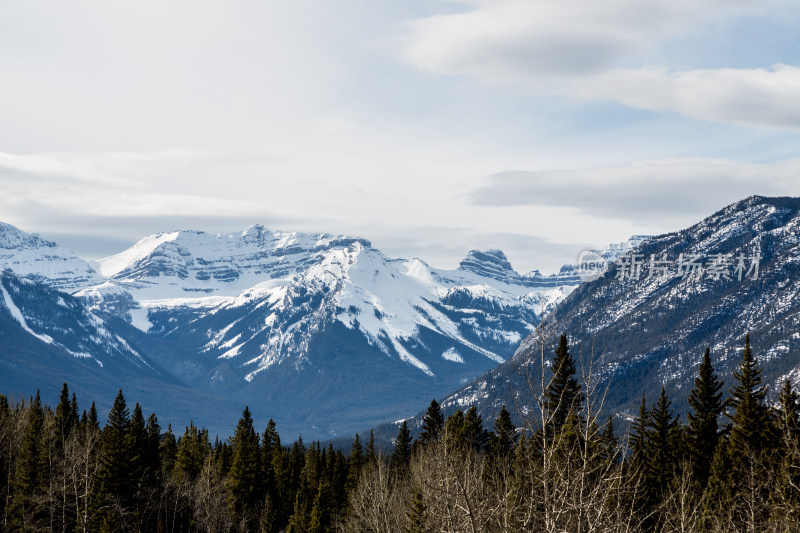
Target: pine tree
356 462
563 395
705 401
138 446
432 424
609 445
661 445
66 418
371 457
472 432
270 442
322 509
168 451
114 475
92 419
402 449
789 413
417 515
750 419
244 479
31 474
639 430
504 434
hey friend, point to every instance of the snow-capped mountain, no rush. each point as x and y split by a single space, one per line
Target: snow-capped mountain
648 320
32 257
48 337
297 322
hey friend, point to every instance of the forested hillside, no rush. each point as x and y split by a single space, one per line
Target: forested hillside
734 464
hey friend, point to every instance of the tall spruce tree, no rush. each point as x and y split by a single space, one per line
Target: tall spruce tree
609 445
114 473
563 395
371 457
505 435
355 464
661 445
31 472
417 515
432 424
749 416
789 413
705 402
244 479
402 449
66 418
639 431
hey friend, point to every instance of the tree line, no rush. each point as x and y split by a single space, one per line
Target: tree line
732 465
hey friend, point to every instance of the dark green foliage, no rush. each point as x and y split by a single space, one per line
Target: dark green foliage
465 430
788 416
371 456
504 436
563 395
31 472
245 482
639 434
432 424
417 522
750 418
356 463
115 472
608 442
59 473
661 446
705 401
402 449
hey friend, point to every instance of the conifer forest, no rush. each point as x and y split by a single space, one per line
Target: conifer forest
732 465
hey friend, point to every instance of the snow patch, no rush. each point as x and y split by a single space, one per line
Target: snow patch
452 355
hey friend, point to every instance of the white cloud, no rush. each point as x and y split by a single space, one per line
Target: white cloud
762 97
592 51
666 194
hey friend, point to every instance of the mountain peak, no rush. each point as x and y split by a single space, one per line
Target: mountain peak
490 263
11 237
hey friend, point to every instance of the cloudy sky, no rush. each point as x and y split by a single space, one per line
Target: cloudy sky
429 127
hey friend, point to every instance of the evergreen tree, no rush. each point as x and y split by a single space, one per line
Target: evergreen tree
244 479
639 430
705 401
270 442
432 424
789 413
31 472
114 475
504 434
563 395
417 521
139 448
356 462
371 457
92 419
609 444
66 418
322 509
168 451
719 490
402 449
661 446
750 419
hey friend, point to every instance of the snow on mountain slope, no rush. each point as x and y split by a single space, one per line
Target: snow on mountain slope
262 317
649 319
62 321
32 257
